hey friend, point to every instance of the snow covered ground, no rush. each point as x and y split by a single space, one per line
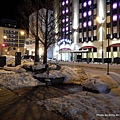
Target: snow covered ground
79 106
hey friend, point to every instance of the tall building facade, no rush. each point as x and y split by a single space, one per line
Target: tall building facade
89 30
11 41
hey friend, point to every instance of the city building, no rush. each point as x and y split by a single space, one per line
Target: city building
89 30
11 39
8 23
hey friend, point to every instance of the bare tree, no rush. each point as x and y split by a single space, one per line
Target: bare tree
42 23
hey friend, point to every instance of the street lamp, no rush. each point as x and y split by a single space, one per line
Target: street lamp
101 20
5 37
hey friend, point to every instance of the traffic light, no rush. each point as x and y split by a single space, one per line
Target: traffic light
3 45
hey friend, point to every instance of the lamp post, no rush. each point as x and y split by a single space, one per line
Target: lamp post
101 20
108 53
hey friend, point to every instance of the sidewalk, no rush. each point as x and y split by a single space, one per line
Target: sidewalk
91 65
21 104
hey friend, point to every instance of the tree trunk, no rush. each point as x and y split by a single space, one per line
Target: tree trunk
45 55
36 59
36 50
46 36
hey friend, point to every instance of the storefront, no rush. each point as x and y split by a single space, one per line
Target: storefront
64 49
65 54
77 56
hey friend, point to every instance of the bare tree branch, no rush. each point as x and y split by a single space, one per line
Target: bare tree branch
46 21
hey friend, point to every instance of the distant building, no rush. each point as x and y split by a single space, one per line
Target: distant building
12 40
8 23
85 36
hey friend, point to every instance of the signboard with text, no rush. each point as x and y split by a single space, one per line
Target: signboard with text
64 41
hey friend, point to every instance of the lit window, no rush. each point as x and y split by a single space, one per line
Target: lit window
63 20
89 2
66 1
84 24
114 5
63 3
66 10
84 4
66 19
66 28
84 14
63 12
63 29
89 12
89 23
114 17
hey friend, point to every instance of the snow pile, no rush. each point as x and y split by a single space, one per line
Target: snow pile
115 91
84 106
102 83
14 80
72 75
78 106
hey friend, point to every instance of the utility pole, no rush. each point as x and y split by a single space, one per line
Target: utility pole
108 52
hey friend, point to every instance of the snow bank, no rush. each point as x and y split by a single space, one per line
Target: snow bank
84 106
78 106
14 80
72 75
102 83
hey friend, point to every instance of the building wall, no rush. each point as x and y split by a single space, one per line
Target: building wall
92 34
13 41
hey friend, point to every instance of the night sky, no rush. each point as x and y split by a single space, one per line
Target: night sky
8 9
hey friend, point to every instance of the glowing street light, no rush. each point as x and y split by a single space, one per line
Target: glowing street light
5 37
22 32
